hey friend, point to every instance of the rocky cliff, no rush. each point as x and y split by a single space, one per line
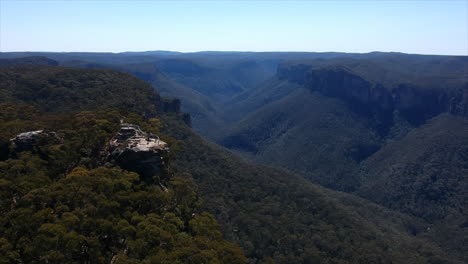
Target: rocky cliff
458 102
135 150
131 148
414 102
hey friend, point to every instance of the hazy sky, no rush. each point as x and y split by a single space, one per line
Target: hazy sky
426 27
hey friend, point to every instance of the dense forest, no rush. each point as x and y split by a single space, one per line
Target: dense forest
410 169
63 202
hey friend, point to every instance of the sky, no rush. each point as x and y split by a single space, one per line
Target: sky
411 26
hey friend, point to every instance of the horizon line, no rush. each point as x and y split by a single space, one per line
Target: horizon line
233 51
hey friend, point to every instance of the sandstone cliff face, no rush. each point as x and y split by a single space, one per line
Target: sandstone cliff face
418 105
144 153
339 82
459 102
415 104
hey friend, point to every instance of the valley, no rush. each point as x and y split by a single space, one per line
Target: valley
301 157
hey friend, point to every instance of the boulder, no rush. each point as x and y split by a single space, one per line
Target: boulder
28 140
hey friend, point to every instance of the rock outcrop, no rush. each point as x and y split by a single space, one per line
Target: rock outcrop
131 148
28 140
174 106
141 152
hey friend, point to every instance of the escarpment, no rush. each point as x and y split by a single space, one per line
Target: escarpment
458 102
415 102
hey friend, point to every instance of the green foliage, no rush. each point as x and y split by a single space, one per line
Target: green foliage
279 217
95 215
316 136
202 84
392 69
425 174
61 89
59 204
31 60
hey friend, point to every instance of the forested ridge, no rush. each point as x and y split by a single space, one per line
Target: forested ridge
105 213
61 202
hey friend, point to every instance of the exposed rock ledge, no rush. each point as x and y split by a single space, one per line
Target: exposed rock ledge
131 148
27 140
141 152
132 138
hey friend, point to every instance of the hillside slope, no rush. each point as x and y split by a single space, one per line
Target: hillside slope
204 111
320 111
61 89
316 136
273 214
218 80
65 197
399 141
425 174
